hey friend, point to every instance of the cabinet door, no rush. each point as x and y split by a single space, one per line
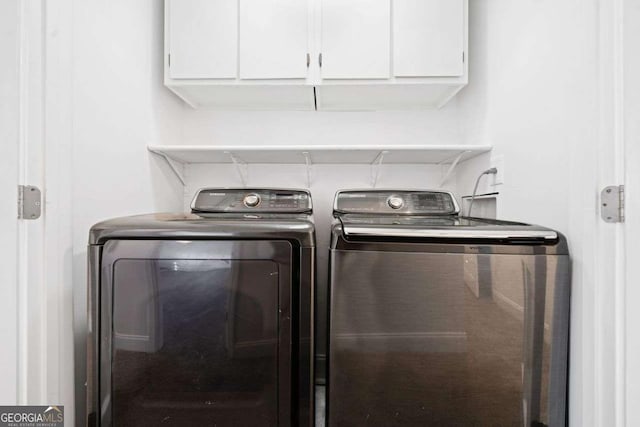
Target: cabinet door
428 38
356 39
273 39
203 39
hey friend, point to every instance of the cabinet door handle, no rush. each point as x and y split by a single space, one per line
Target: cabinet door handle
320 60
308 60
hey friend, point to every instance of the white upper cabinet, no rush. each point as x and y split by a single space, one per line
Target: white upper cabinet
428 38
274 38
316 54
355 39
203 39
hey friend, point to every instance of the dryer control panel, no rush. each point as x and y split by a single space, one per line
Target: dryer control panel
220 200
395 202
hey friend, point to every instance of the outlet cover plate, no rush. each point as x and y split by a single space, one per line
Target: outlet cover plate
498 163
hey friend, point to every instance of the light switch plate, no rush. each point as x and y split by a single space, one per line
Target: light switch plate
498 163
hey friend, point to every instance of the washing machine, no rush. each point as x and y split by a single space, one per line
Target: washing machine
441 320
204 318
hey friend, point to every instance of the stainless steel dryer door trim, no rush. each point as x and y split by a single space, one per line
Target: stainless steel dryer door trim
280 252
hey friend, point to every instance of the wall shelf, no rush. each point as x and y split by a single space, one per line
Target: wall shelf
325 154
179 155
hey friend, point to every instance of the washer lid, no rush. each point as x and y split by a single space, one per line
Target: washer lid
251 200
446 227
395 202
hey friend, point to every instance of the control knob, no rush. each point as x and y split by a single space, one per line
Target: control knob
395 202
251 200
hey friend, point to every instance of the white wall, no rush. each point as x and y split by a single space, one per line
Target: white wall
531 92
315 128
533 95
120 105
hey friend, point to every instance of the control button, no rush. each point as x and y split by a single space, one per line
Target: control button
395 202
251 200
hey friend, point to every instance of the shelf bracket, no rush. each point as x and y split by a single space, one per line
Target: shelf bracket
176 167
309 163
375 167
452 167
241 167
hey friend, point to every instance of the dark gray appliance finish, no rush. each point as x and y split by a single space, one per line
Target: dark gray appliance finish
436 319
203 318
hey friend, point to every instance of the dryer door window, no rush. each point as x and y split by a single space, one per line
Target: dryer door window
196 341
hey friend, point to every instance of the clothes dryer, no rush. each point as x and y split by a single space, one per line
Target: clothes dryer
204 318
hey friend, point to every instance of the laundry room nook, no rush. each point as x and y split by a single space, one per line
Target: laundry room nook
319 213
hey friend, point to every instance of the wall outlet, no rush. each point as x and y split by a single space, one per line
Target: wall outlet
498 163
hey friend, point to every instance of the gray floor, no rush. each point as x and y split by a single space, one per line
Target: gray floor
320 406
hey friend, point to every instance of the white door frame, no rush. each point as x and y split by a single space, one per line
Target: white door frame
36 302
31 275
631 135
9 154
22 251
22 247
604 398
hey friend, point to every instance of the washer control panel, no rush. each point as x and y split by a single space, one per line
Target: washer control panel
212 200
395 202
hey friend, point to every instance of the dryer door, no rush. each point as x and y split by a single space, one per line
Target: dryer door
195 333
